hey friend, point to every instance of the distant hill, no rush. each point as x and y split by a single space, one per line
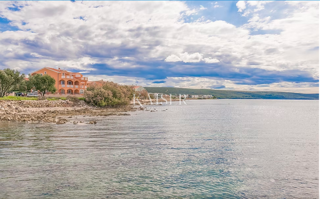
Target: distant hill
228 94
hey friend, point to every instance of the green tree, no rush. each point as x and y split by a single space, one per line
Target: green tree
9 79
24 86
43 83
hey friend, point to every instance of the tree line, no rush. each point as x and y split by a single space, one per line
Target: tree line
13 80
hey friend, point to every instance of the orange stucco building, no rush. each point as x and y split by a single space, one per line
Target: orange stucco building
66 82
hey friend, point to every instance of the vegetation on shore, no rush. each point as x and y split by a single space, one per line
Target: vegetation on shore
12 80
228 94
9 79
43 84
109 94
18 98
21 98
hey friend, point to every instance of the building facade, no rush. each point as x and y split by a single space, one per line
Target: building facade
66 82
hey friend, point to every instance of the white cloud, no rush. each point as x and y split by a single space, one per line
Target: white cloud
173 58
54 34
210 60
195 57
202 8
190 58
212 83
241 5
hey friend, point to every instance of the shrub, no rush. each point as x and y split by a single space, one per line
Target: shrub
73 99
41 97
18 98
109 94
142 94
53 98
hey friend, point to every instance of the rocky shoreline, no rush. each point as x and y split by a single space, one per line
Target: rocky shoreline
44 111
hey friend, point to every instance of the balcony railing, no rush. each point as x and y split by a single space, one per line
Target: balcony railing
70 86
63 76
68 76
62 85
76 86
84 78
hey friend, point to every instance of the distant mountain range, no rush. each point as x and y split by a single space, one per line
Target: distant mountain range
228 94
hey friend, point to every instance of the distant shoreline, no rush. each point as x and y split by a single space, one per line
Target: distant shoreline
229 94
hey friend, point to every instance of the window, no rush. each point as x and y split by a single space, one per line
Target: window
45 72
41 74
81 91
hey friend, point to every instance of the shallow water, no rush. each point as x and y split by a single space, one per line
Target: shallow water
206 149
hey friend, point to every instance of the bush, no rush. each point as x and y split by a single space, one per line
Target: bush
53 98
73 99
17 98
41 97
109 94
142 94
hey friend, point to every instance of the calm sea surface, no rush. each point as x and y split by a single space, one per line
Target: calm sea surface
206 149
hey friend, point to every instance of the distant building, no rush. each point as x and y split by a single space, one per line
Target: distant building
66 82
206 96
96 83
194 96
200 96
138 88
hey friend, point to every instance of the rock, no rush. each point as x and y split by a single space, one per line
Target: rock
61 121
92 122
123 114
75 122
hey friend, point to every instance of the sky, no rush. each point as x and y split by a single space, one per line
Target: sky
230 45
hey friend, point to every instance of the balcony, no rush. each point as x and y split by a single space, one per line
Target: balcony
76 86
62 85
70 86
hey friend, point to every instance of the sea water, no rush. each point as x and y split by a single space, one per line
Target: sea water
205 149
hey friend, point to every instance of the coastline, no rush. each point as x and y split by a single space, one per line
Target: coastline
45 111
